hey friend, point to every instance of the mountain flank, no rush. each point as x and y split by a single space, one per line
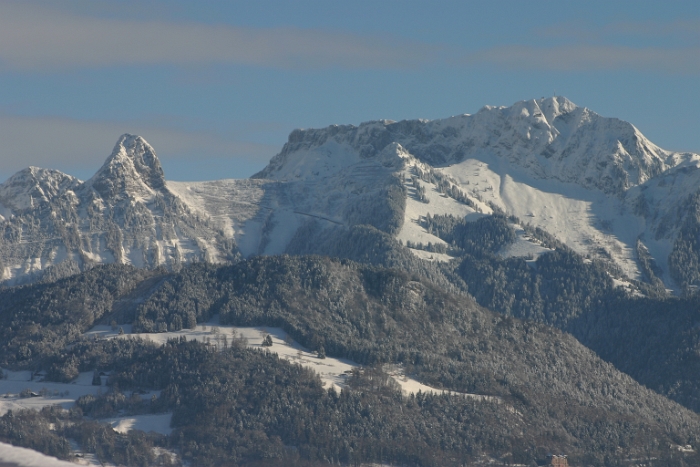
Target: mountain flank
595 184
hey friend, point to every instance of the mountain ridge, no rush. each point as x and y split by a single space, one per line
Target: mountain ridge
524 134
595 183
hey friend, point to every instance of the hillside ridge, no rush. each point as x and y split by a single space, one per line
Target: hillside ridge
595 183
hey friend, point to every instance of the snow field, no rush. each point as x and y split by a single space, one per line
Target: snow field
523 247
160 423
586 220
332 371
63 394
13 456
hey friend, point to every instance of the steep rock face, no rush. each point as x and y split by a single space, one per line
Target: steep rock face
132 169
54 224
550 138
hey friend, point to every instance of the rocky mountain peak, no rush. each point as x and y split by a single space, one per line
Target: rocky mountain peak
553 107
133 168
33 186
550 138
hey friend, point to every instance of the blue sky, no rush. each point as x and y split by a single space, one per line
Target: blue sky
216 86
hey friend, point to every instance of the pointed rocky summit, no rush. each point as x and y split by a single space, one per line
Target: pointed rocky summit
132 167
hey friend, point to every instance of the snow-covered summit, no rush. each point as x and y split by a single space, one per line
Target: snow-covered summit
33 186
561 167
549 138
132 167
56 224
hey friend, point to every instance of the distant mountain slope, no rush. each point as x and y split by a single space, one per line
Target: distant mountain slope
54 224
595 183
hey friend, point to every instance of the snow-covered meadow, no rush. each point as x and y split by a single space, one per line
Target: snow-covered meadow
13 456
332 371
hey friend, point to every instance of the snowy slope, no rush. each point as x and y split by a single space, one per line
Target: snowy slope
55 224
552 164
13 456
237 207
587 220
595 183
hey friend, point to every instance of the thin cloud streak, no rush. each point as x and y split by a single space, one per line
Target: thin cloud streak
590 58
45 39
34 38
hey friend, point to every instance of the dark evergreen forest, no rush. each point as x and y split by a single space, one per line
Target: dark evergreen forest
247 407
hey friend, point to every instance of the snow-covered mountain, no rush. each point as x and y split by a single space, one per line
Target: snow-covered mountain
595 183
550 138
55 224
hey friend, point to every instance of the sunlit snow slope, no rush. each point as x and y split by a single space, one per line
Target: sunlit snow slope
552 164
595 183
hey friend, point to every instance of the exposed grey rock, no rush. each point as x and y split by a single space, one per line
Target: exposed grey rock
55 224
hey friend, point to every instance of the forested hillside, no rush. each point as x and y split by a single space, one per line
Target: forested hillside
552 393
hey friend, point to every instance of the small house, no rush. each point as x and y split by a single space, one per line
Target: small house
558 460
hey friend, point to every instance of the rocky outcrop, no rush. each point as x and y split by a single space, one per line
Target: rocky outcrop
549 138
53 224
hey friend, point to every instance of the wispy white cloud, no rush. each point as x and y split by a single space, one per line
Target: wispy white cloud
80 147
666 47
36 37
41 36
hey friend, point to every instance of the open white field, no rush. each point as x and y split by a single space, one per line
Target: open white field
160 423
332 371
13 456
46 393
523 247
